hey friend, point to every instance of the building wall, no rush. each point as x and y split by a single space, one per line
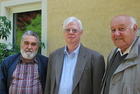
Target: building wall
95 16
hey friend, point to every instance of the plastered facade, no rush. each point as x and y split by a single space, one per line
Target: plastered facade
95 16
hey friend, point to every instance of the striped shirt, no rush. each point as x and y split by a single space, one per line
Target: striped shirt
25 78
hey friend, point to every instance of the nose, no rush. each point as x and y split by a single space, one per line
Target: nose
71 31
117 32
29 46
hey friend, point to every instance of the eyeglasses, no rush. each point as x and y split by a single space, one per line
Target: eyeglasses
73 30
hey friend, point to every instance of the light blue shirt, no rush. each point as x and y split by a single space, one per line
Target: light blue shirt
69 64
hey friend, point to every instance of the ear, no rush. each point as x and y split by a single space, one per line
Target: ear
81 32
135 28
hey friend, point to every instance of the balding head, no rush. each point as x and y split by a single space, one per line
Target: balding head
123 31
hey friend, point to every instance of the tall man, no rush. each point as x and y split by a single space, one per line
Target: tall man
74 69
24 73
123 69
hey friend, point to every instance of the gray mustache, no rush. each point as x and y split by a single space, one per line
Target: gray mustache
29 50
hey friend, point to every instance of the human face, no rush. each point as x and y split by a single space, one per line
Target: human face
29 47
121 32
73 36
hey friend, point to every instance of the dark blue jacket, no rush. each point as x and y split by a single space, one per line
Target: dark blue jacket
8 66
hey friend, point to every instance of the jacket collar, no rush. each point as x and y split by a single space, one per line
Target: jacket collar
132 54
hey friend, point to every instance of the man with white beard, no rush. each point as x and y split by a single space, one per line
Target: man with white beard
24 73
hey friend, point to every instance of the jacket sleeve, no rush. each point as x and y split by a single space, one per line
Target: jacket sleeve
3 79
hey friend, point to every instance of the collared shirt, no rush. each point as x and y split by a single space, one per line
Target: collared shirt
69 64
25 78
127 51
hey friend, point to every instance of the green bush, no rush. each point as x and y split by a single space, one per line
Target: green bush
7 50
35 25
5 27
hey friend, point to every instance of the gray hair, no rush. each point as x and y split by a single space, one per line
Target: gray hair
32 33
133 21
71 19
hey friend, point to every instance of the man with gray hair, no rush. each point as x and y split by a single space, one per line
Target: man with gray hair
24 73
123 64
74 69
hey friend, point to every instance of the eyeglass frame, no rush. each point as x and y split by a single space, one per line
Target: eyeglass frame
73 30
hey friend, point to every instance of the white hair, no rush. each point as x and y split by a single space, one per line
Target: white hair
71 19
133 21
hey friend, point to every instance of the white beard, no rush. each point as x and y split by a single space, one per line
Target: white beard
28 55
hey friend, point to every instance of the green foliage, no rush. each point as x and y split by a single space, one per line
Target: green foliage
25 18
5 27
42 45
35 25
7 50
18 36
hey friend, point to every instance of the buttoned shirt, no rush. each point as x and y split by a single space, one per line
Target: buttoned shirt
67 76
25 78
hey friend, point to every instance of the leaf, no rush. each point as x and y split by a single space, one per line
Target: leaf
5 27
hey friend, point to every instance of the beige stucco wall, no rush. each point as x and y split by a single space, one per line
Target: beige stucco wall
95 16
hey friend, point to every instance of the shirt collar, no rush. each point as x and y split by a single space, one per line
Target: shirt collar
21 60
127 51
75 52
